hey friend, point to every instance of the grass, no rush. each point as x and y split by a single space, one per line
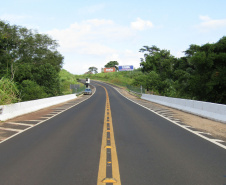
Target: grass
66 79
123 79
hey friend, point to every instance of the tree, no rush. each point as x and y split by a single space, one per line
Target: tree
208 79
112 64
30 90
148 51
158 65
192 50
28 55
93 70
47 77
8 49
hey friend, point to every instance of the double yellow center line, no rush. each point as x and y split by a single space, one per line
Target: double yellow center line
108 166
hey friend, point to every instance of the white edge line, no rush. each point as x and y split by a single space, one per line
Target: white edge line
218 140
46 119
184 127
214 141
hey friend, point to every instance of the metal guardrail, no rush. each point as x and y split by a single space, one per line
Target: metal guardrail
81 92
135 89
135 92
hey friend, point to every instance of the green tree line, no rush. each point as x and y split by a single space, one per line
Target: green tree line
199 75
30 62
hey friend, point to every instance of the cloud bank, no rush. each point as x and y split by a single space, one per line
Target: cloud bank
101 39
140 24
209 24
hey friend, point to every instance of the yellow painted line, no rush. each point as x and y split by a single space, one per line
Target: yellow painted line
102 179
108 147
109 180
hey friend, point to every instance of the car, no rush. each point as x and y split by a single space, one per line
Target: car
87 91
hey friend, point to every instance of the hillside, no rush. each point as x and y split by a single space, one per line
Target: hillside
123 78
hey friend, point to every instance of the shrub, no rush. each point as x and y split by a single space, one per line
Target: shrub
8 92
30 90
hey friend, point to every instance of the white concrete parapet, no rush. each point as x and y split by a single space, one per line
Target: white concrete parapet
212 111
17 109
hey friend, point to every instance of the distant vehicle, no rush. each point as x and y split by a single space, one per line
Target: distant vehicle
87 91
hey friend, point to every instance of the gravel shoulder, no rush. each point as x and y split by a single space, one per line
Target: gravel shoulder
216 129
18 124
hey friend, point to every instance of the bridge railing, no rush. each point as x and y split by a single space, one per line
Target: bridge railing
209 110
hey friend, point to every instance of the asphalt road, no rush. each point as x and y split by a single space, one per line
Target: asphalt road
65 150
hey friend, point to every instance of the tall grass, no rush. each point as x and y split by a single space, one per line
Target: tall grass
66 78
8 92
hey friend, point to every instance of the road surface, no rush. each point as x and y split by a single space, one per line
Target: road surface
108 139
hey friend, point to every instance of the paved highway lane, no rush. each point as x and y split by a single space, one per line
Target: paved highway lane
150 150
62 150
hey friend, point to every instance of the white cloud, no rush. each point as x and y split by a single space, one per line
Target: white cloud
94 42
204 18
140 24
94 49
90 36
209 24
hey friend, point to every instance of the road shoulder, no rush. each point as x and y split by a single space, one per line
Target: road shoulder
14 126
213 128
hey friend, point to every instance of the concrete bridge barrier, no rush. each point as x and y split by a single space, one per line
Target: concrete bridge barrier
208 110
17 109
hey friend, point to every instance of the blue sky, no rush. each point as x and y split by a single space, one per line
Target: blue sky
94 32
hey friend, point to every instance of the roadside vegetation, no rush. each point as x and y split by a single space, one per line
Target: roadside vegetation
30 65
8 92
67 80
199 75
31 68
123 78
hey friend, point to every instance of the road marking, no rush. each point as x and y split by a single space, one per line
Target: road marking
33 120
186 126
217 140
109 180
203 133
108 166
174 122
23 124
11 129
42 121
